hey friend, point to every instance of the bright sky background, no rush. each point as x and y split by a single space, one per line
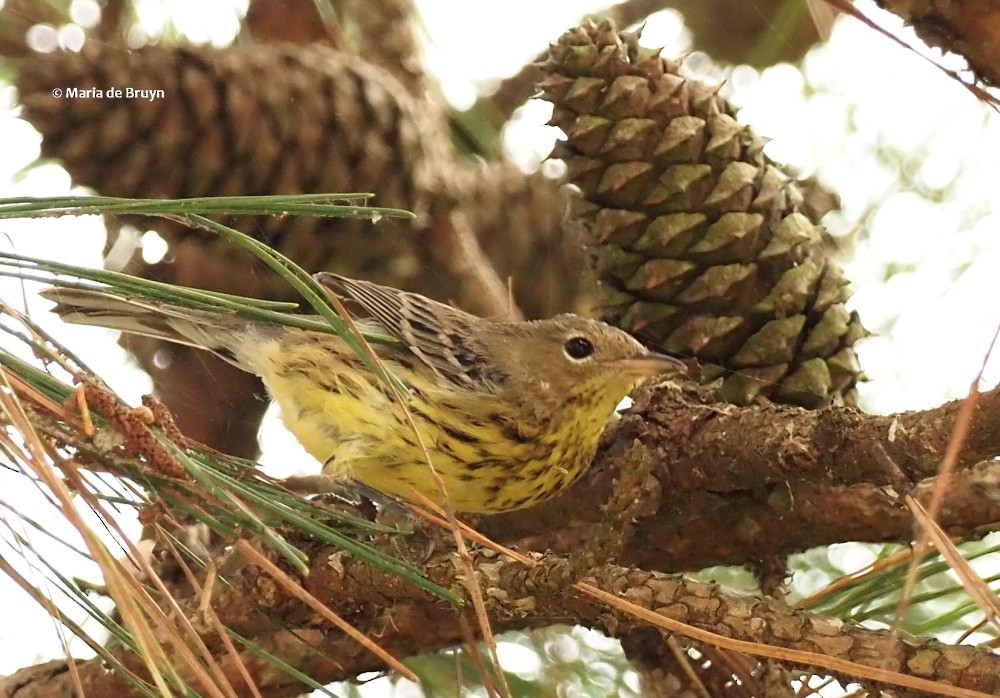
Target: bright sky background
864 111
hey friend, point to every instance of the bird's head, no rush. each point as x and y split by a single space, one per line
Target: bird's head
569 357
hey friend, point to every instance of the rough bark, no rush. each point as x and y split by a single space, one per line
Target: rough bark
775 479
970 28
794 478
407 621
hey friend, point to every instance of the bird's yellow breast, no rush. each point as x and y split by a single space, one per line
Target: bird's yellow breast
491 454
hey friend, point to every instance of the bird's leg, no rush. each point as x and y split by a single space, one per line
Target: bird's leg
344 487
314 484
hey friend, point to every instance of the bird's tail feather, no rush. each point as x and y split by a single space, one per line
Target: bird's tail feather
220 332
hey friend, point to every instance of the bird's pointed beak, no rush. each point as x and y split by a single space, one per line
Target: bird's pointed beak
652 364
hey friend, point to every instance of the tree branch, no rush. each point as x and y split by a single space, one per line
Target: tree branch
970 29
407 621
776 479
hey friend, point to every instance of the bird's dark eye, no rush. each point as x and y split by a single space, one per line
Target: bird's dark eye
579 347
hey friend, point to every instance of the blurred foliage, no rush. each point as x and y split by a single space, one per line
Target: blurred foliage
939 605
553 662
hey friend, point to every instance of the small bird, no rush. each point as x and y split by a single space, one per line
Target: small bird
510 412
